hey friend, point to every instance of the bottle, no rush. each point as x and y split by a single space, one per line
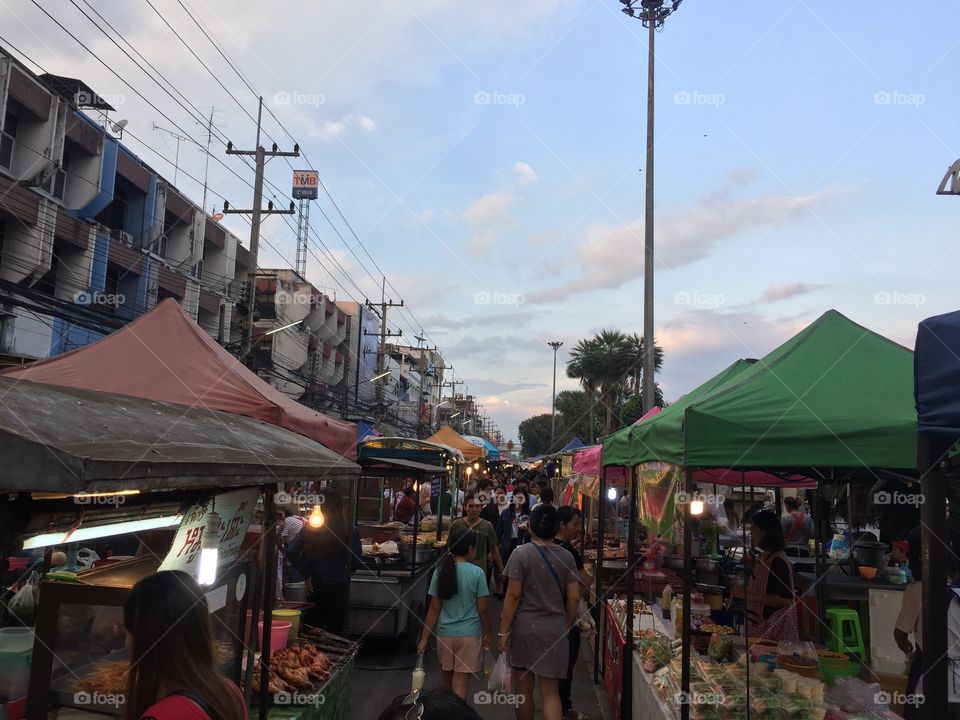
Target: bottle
665 597
418 676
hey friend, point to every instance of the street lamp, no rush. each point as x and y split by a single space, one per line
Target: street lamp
950 185
556 345
653 14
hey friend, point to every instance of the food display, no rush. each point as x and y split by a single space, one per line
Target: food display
107 678
298 667
388 548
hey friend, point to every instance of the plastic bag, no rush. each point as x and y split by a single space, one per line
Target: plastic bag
839 547
501 679
23 604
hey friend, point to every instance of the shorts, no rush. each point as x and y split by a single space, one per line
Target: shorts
460 654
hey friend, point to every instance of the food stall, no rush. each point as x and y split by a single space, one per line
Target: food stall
89 465
388 595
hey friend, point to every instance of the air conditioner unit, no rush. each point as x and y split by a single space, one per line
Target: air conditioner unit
122 236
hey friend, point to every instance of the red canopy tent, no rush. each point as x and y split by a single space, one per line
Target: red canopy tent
166 356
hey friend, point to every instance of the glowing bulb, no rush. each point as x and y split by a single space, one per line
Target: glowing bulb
476 466
696 507
469 470
209 551
612 493
316 519
416 486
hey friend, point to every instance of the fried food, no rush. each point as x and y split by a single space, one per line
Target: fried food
108 678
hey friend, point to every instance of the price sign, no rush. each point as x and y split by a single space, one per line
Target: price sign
235 509
306 184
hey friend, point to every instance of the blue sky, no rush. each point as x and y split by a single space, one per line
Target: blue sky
491 159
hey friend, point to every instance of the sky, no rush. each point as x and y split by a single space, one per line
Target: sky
491 160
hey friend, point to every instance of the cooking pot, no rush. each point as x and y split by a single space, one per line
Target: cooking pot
423 554
870 553
674 562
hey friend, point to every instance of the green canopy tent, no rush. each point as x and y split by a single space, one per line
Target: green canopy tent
835 398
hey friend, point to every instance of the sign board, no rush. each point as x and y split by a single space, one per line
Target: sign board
306 185
235 509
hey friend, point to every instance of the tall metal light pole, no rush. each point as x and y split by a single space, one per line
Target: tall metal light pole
653 14
556 345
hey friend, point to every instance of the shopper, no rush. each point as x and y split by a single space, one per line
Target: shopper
498 503
771 611
567 534
173 669
797 525
513 526
321 556
437 704
458 611
407 505
488 553
539 609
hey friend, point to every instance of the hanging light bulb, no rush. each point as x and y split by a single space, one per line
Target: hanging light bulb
696 506
612 493
316 519
476 466
209 550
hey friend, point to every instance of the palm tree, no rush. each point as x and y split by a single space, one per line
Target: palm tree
609 365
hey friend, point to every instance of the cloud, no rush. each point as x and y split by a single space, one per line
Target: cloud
488 216
501 388
335 128
612 256
524 173
776 293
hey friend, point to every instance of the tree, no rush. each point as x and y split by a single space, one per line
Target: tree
610 369
535 435
574 407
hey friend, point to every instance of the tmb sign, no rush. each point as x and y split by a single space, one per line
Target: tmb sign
305 184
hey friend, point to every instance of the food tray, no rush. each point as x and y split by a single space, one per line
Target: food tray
64 689
125 574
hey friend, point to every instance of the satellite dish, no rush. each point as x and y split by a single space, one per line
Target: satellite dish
217 217
119 125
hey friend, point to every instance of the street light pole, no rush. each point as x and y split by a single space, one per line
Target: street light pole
556 345
653 14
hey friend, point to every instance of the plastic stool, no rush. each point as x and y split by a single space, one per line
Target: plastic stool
845 634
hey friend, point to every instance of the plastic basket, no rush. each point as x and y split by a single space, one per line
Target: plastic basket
832 668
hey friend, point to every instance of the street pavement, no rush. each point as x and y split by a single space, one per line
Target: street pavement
384 667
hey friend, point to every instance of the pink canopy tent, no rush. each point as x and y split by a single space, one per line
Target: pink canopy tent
166 356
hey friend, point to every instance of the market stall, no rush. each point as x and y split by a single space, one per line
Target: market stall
833 403
388 596
87 465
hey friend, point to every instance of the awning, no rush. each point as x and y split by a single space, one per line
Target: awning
411 464
80 441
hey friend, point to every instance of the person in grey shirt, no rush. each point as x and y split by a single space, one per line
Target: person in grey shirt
540 607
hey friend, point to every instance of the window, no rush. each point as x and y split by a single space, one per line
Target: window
7 139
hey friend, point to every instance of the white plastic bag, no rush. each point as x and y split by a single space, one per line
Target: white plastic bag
23 605
501 679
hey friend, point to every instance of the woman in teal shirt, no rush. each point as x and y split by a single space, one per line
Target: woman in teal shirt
458 610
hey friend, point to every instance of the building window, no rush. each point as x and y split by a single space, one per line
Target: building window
7 139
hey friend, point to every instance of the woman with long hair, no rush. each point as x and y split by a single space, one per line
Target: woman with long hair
771 611
173 667
513 527
539 610
321 556
458 600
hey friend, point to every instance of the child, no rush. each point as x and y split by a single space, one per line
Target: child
458 599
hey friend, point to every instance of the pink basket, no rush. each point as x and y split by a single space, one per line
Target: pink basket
279 634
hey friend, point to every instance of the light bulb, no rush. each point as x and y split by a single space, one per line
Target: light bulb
476 466
316 519
469 470
209 551
612 493
696 507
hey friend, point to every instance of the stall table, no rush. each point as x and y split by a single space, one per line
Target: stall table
843 587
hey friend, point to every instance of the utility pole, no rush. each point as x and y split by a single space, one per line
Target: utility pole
384 334
556 345
256 212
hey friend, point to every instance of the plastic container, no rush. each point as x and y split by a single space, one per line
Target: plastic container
16 639
19 563
14 709
290 616
832 668
279 634
16 649
295 592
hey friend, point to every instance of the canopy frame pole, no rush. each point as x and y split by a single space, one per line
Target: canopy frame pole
853 542
933 562
626 685
687 589
819 581
269 593
599 658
